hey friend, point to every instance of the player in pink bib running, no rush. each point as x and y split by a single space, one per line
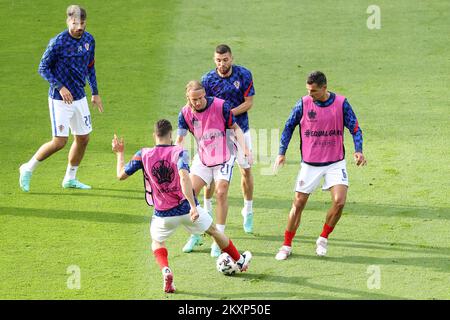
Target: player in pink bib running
322 116
169 189
214 127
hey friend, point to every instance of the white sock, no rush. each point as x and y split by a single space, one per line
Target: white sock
71 172
248 206
32 164
220 227
207 204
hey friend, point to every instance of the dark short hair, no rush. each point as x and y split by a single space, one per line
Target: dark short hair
162 128
75 11
222 49
317 77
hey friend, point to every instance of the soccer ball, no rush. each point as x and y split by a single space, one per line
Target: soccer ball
226 265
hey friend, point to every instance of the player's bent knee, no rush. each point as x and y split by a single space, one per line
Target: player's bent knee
59 142
221 194
339 203
299 202
83 140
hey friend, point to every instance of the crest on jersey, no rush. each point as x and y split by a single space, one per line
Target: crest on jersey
237 84
312 114
163 172
61 128
86 45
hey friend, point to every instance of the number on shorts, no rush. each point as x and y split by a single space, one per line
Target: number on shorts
225 169
87 120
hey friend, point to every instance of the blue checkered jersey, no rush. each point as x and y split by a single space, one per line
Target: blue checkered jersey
69 62
350 122
183 128
233 89
136 164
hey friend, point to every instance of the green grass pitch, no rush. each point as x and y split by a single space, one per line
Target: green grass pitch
397 218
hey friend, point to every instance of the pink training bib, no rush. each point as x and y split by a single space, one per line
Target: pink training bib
209 129
162 181
322 131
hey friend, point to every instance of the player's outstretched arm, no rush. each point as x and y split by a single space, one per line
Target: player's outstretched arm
186 187
118 147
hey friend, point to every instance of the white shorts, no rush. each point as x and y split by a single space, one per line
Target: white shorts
75 116
309 176
162 228
243 162
219 172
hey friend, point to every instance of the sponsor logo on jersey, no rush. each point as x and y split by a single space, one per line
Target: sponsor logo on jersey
80 49
323 133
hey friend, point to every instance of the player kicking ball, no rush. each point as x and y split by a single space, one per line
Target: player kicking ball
168 188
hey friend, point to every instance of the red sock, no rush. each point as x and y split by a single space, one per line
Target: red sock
232 251
326 231
161 257
288 236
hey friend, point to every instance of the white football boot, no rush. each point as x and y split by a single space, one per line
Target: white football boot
284 253
321 246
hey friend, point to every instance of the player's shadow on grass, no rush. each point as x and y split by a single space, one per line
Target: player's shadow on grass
360 244
73 193
352 208
438 263
97 216
389 246
302 283
140 191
